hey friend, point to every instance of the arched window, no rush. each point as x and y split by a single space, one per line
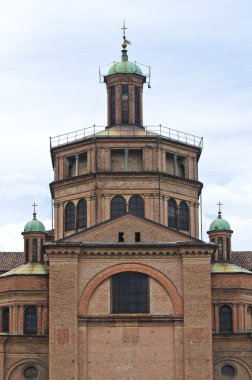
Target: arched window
183 216
82 214
220 248
5 320
249 318
225 315
27 250
136 206
130 293
34 250
172 213
118 206
70 216
30 319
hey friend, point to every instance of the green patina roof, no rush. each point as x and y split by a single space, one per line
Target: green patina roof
125 67
228 268
28 269
219 224
34 225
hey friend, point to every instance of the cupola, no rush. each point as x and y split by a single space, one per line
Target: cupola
124 82
220 233
34 239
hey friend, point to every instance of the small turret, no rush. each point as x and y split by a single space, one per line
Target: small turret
34 238
220 233
124 87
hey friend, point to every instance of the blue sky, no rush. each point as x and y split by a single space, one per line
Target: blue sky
200 53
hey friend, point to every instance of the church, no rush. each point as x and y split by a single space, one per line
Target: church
123 287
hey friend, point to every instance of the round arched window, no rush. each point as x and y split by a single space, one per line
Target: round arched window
30 372
228 371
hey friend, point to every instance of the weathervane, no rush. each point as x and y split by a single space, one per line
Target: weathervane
125 41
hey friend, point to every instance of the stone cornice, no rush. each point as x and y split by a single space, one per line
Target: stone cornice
130 319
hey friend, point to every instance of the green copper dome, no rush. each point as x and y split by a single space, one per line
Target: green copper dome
219 224
125 67
34 225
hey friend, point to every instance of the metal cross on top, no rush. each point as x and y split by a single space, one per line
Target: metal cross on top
219 204
124 29
34 207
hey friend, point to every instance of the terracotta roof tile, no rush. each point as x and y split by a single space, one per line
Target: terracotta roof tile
242 259
10 260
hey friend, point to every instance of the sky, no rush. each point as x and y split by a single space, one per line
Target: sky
200 53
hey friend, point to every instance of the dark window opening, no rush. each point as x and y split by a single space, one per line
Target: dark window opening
112 105
27 250
228 371
118 206
42 250
225 315
137 105
137 237
121 237
30 372
183 216
125 103
130 293
30 320
220 248
228 248
82 214
34 250
136 206
5 320
70 216
172 213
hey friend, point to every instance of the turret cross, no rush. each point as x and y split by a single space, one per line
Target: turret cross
219 204
34 207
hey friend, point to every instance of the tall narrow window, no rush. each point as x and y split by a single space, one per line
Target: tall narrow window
27 250
228 248
41 250
183 216
136 206
112 105
220 248
118 206
130 293
137 104
82 214
172 213
30 320
34 250
70 216
225 319
5 320
125 104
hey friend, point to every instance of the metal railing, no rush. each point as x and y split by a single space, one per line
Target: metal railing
123 131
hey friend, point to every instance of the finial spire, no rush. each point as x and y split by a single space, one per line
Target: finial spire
125 43
34 210
219 212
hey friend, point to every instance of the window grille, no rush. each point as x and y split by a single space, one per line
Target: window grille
136 206
118 206
30 320
70 216
82 214
130 293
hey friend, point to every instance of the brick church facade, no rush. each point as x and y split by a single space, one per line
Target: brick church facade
123 288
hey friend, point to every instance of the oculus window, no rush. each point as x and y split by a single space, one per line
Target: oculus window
130 293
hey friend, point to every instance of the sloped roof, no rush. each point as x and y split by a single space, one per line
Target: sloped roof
242 259
10 260
28 269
